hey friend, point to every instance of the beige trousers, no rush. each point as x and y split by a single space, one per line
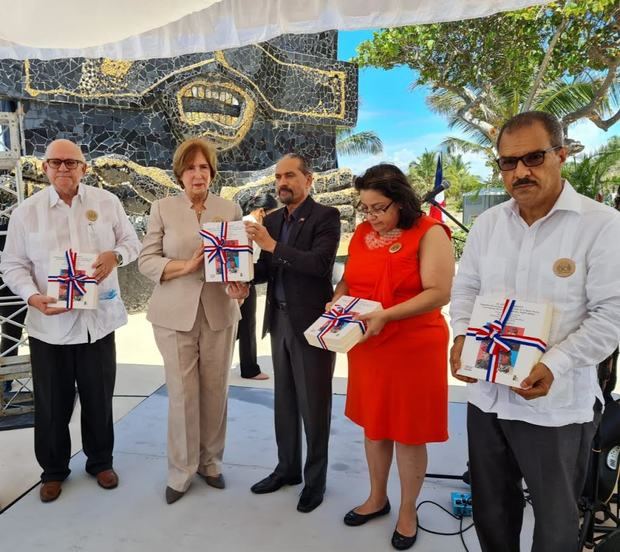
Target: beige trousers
197 364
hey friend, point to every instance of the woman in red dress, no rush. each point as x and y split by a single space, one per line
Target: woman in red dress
397 388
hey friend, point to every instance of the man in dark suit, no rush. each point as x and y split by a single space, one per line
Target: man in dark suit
299 244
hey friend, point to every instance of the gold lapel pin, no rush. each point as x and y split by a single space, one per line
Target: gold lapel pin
91 215
395 247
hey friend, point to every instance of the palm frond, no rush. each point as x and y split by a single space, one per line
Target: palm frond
350 143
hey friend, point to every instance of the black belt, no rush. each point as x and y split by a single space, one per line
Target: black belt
281 305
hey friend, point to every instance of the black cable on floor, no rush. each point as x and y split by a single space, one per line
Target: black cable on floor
461 530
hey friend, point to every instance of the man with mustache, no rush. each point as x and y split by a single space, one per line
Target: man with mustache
299 244
548 244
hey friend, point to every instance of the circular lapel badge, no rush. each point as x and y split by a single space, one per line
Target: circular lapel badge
563 268
395 247
91 215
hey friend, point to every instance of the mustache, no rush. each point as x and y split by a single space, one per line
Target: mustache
522 181
284 189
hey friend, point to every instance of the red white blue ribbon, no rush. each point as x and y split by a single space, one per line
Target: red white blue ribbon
500 342
75 282
215 247
339 315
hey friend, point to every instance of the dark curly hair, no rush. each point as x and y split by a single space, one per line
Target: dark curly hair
390 181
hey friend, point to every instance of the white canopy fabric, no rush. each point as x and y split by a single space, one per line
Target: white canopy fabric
142 29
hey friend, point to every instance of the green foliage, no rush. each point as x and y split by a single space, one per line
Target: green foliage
422 176
598 172
356 143
482 71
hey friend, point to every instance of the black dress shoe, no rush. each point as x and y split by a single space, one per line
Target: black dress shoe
309 500
353 519
272 483
172 495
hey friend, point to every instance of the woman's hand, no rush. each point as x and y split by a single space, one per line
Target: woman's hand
455 359
237 290
375 321
197 260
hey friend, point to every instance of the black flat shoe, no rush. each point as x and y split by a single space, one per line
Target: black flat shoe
400 542
354 519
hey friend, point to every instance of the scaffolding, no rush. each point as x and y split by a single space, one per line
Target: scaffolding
14 367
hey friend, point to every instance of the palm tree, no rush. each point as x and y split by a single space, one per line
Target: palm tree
481 118
356 143
598 172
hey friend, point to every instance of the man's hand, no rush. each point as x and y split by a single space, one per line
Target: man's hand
237 290
375 321
537 384
259 235
196 261
455 359
43 302
104 264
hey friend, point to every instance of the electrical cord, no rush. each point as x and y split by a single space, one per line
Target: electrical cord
461 530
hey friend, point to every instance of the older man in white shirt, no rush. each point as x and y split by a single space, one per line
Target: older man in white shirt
69 347
548 244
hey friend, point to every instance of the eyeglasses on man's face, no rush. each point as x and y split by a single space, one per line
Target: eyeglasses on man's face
531 159
69 163
372 211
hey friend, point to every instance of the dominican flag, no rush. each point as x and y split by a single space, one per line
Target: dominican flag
441 197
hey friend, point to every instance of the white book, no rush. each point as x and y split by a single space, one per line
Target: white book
520 332
334 330
228 252
70 280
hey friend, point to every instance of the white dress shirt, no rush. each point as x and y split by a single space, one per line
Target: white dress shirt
44 223
504 257
255 247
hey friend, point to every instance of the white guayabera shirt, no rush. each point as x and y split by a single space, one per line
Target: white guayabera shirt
43 223
507 258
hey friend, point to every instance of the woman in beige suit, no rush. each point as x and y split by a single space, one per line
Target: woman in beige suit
194 322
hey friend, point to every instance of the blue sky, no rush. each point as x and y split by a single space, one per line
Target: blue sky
406 126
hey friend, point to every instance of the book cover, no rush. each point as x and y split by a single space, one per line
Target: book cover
70 281
228 252
336 330
505 339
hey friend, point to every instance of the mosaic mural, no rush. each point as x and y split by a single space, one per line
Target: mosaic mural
254 103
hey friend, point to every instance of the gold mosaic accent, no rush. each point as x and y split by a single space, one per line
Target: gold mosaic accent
115 68
154 173
33 92
233 129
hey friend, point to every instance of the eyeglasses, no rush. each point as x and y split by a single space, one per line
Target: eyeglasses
69 163
531 159
372 211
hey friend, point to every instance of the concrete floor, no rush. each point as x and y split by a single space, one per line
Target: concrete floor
135 517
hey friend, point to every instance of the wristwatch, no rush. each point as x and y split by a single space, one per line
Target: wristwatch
119 258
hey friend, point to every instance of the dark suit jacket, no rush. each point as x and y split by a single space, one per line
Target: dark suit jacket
307 261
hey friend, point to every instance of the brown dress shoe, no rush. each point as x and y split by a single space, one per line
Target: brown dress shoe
172 495
50 491
216 481
107 479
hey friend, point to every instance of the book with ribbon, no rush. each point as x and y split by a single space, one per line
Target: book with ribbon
228 252
336 330
70 280
505 339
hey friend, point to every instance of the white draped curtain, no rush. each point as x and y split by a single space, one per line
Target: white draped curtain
140 29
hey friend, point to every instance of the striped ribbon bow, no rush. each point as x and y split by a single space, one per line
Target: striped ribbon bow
75 282
499 341
339 315
215 247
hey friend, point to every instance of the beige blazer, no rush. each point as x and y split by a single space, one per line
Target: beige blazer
173 234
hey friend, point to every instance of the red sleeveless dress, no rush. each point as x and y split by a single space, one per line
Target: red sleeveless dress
398 380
